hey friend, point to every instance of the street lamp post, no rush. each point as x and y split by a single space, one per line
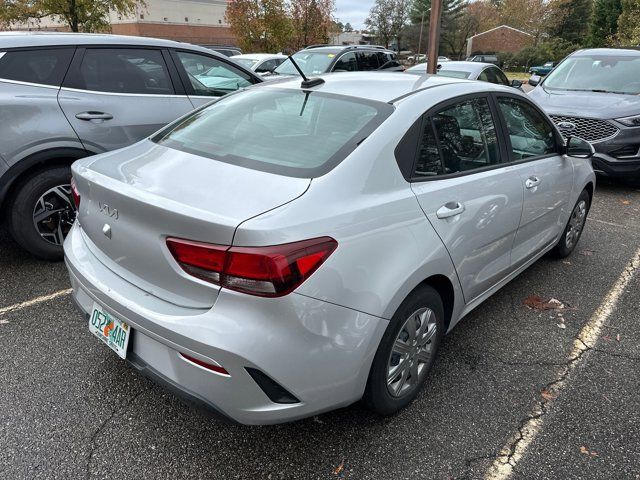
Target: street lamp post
434 36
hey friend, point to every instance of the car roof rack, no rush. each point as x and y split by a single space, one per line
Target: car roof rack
345 47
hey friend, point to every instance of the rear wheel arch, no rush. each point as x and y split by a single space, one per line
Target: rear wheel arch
442 284
24 169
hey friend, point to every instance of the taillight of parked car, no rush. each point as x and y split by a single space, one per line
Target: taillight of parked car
75 194
264 271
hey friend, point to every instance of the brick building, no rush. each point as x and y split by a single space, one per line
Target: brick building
193 21
499 39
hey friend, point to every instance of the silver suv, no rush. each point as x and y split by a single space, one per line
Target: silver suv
67 96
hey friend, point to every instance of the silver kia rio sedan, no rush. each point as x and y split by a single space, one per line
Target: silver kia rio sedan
291 249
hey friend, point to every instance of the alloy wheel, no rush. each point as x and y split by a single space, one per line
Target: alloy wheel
576 224
412 352
54 214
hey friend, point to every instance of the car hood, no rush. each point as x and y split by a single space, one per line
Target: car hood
586 104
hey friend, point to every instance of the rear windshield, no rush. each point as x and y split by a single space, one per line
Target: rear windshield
602 73
453 73
246 62
288 132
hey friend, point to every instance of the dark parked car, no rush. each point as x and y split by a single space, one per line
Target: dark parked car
318 59
595 95
66 96
542 70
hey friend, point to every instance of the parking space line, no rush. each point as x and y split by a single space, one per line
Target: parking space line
34 301
512 452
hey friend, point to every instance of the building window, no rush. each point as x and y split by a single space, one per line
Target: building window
141 16
186 19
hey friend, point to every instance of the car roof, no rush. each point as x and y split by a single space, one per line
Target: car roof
631 52
259 56
39 39
379 86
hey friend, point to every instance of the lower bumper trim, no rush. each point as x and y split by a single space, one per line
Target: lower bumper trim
188 397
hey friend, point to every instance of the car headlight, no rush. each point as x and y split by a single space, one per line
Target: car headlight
630 121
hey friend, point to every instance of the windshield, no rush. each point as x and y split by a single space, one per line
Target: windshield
453 73
289 132
601 73
246 62
311 63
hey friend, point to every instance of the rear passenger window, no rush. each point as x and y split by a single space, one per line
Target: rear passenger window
45 66
530 133
127 70
463 136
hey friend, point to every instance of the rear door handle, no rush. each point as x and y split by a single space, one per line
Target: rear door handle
532 182
94 116
450 209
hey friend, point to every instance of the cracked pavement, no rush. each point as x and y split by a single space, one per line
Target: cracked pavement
69 408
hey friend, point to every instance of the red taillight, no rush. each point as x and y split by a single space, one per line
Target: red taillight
265 271
75 194
208 366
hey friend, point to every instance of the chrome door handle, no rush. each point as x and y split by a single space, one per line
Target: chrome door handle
450 209
532 182
94 116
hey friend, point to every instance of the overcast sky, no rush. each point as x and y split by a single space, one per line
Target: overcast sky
353 11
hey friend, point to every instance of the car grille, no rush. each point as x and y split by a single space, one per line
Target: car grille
589 129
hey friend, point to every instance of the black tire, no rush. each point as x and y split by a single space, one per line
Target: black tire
377 394
564 248
21 212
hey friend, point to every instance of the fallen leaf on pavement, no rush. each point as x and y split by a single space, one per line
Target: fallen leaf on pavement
618 337
547 395
606 338
4 322
536 302
626 202
586 253
566 262
562 326
339 468
584 450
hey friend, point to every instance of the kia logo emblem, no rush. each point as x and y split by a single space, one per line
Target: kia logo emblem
108 211
567 126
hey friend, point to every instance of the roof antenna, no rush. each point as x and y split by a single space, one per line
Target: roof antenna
306 82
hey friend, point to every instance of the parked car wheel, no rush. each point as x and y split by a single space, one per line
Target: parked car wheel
406 353
573 231
42 212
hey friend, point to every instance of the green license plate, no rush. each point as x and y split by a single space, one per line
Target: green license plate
111 330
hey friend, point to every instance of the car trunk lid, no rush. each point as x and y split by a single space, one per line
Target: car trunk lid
133 199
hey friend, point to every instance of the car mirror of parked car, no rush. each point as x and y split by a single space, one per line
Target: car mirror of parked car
534 80
579 148
516 83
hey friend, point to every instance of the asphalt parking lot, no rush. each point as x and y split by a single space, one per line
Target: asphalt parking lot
512 395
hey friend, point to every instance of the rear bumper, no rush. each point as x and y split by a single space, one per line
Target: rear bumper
319 352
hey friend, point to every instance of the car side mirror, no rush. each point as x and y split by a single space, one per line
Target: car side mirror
579 148
534 80
516 83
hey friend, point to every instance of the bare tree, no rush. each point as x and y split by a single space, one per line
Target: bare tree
387 18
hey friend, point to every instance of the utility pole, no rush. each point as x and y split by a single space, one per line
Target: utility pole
434 36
